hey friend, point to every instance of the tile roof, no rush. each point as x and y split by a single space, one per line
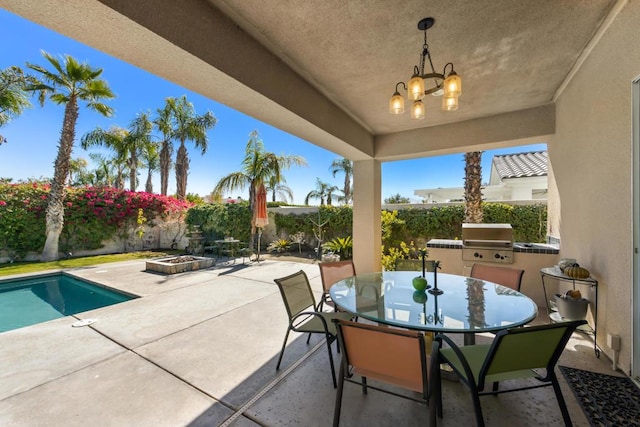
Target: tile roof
521 165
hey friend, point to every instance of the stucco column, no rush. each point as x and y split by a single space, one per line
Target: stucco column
367 237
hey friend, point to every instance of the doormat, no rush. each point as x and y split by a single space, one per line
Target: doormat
606 400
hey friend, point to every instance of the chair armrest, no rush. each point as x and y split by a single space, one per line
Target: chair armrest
310 313
470 378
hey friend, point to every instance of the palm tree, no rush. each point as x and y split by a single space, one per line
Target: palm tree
111 170
127 144
163 124
258 167
344 166
138 137
114 139
13 97
473 187
68 83
77 167
104 173
279 189
150 159
186 125
323 191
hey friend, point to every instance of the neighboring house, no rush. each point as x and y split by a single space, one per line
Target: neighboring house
521 176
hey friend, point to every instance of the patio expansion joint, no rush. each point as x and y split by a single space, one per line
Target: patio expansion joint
131 350
267 388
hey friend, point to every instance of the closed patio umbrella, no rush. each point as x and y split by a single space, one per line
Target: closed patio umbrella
260 217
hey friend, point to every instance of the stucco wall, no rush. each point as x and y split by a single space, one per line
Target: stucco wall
553 205
591 155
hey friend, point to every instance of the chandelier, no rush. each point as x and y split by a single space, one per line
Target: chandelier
421 83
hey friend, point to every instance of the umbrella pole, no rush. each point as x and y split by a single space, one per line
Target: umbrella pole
258 248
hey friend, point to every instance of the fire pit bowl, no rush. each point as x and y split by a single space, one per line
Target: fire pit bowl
179 264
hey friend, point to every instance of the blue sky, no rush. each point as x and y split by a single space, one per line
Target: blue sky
33 137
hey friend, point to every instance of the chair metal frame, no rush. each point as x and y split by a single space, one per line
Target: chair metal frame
300 318
490 370
368 346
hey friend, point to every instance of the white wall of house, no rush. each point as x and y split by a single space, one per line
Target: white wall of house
591 155
525 188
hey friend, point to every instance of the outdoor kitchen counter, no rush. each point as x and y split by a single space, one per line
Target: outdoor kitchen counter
530 257
533 248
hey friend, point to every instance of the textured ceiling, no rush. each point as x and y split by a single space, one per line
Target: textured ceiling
511 54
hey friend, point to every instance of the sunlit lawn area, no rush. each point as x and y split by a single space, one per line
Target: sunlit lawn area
34 267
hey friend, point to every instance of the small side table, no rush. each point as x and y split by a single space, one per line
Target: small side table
229 247
555 273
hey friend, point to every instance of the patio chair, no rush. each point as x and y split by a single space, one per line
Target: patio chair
298 297
513 354
415 265
505 276
391 356
330 273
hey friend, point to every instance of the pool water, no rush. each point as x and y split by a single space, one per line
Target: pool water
34 300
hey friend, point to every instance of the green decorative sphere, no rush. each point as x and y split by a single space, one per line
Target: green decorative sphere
419 283
420 297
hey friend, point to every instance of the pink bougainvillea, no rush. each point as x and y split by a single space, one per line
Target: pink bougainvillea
92 214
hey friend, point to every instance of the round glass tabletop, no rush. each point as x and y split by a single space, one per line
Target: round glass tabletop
466 305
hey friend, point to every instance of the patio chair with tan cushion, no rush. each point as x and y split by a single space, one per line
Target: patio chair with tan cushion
391 356
505 276
517 353
303 317
330 273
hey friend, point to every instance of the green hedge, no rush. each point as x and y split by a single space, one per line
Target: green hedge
406 225
421 225
217 221
337 219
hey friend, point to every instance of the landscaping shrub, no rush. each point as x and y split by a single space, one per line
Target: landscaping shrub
217 220
421 225
337 219
342 246
92 216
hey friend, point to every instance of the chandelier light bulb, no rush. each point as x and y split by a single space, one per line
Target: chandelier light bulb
396 104
416 88
449 102
453 85
417 110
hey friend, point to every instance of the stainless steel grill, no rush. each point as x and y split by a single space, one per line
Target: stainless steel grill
487 243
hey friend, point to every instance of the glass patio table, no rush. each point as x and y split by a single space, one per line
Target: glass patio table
466 305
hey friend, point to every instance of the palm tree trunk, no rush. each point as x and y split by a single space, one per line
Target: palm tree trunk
133 172
165 165
149 184
182 170
347 188
473 187
55 205
119 180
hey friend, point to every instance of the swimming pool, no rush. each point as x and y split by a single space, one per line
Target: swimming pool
28 301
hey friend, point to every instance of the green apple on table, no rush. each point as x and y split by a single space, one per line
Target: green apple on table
419 283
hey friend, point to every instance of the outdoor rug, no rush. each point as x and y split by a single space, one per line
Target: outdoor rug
606 400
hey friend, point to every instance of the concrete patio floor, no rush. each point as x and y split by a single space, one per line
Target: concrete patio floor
200 348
